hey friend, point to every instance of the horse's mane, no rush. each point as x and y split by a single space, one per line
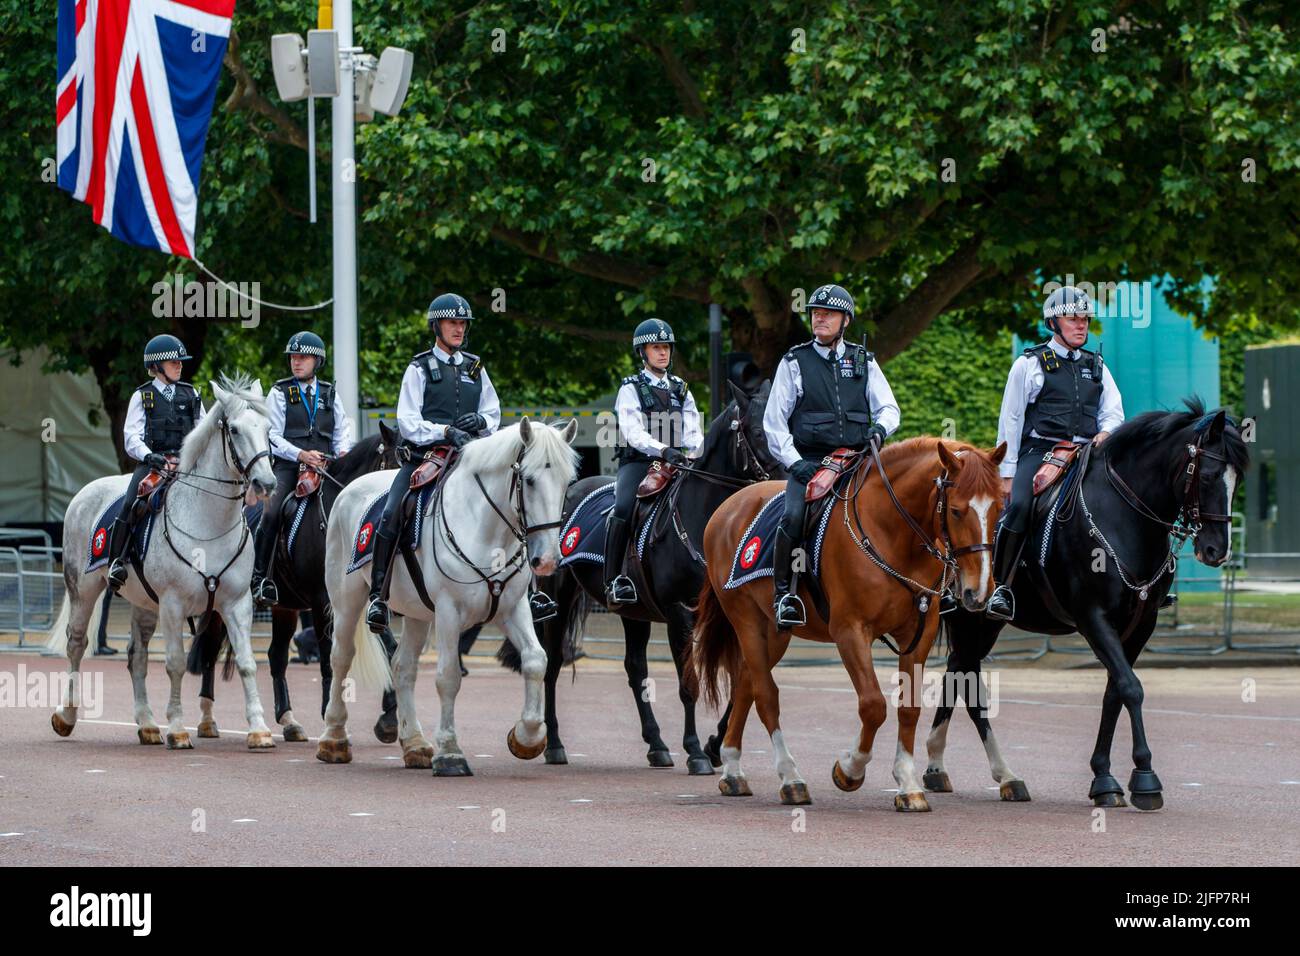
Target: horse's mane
498 450
970 482
359 457
239 398
1152 428
715 436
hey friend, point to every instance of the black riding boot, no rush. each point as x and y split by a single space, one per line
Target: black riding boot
619 588
117 566
1006 553
377 612
788 607
264 592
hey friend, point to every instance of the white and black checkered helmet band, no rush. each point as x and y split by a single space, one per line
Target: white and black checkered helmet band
831 297
172 356
662 337
165 348
1068 300
449 306
298 348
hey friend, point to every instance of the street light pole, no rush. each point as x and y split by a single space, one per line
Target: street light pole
344 211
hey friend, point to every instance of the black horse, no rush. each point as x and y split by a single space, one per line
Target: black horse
300 580
1160 478
735 453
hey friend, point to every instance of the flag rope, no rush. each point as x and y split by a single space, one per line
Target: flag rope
256 301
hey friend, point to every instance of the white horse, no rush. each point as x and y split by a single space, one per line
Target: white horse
199 559
495 518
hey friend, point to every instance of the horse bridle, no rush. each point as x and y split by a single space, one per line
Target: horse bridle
1190 506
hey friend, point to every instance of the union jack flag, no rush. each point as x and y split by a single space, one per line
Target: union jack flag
136 83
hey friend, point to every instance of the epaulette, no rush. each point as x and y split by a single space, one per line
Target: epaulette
791 357
629 380
419 359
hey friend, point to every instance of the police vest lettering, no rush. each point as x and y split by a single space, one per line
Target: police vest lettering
300 427
661 414
1067 404
833 411
449 390
166 423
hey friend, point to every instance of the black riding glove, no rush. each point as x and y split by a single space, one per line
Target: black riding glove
803 470
876 435
672 456
471 422
458 437
156 461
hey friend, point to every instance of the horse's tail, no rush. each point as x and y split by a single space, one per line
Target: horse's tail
205 649
714 649
370 666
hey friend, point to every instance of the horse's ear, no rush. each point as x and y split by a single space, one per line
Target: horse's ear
569 431
525 430
387 435
949 460
256 388
218 392
1217 423
738 395
998 454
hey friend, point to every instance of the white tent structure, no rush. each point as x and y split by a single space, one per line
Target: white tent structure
48 446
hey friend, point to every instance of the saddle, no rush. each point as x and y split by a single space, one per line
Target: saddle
150 482
839 462
436 461
656 479
309 480
1055 462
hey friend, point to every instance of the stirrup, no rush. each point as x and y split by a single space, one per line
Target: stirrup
1001 596
790 611
117 574
265 594
542 607
947 602
621 590
1170 600
377 615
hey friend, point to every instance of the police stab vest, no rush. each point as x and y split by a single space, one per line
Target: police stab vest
308 430
833 411
1067 404
166 423
450 390
661 412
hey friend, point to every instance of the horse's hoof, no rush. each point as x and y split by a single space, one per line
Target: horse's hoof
61 726
208 728
1014 791
519 750
454 766
734 787
937 781
699 766
713 750
260 740
294 734
659 758
421 758
149 735
843 781
1106 792
1109 800
334 751
795 794
386 729
180 741
556 756
1147 801
911 803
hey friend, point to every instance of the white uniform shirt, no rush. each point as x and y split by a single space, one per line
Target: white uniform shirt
632 424
787 389
410 421
133 428
340 439
1024 382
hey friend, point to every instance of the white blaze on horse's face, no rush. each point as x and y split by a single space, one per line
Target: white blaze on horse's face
977 592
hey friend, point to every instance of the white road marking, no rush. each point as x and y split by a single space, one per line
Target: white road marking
470 806
244 820
96 771
580 800
361 814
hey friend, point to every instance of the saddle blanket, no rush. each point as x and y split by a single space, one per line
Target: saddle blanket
583 536
754 551
363 540
102 529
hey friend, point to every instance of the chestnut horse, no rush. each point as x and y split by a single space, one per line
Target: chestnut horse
887 555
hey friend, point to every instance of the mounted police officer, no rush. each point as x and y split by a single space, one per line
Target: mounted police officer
160 414
827 394
1057 391
446 399
307 422
657 418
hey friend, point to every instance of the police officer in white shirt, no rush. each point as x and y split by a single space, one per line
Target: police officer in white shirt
657 419
826 394
1057 391
160 414
307 421
446 399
